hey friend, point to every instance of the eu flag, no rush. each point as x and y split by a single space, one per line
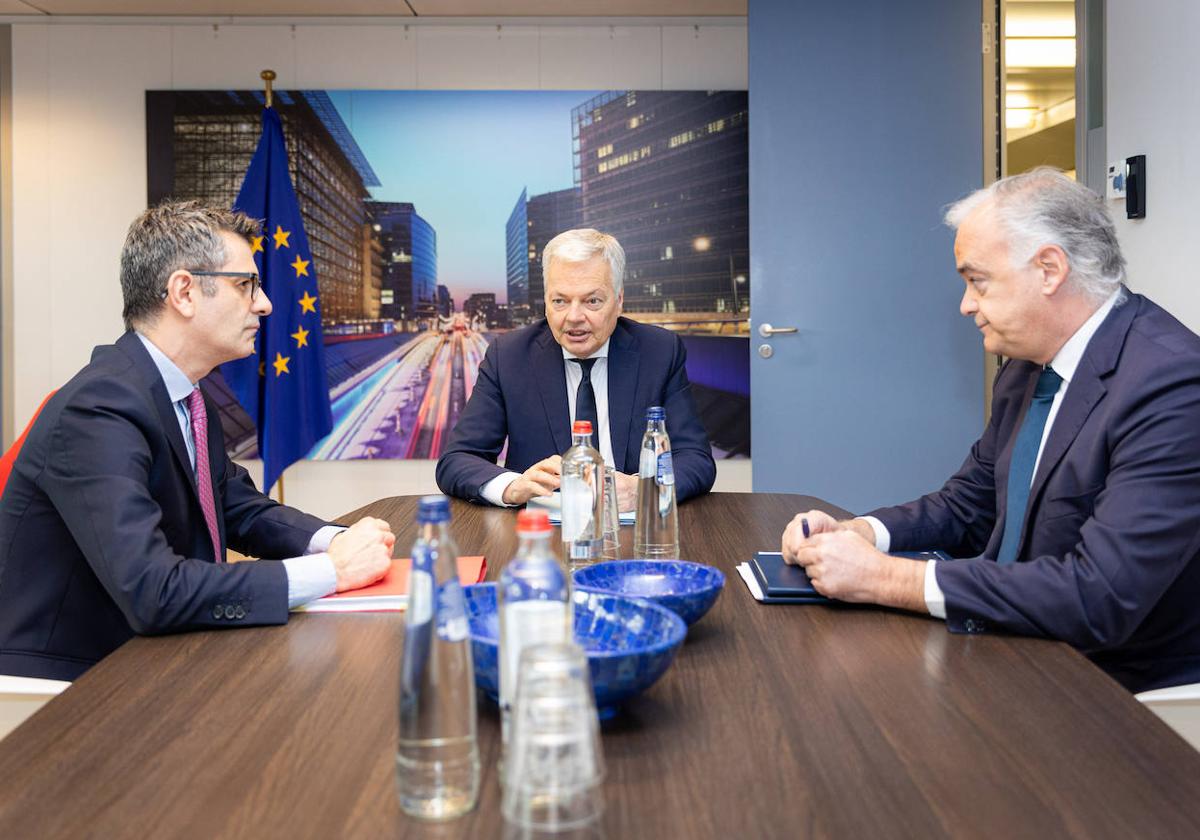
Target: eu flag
282 387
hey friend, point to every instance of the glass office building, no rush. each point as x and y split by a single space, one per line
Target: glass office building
533 223
667 173
201 143
408 290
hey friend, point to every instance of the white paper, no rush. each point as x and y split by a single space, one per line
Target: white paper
751 580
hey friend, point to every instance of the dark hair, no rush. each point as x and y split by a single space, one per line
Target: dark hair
168 237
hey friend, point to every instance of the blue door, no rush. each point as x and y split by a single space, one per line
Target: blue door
865 121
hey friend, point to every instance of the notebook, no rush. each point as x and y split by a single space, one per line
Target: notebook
780 583
552 504
390 594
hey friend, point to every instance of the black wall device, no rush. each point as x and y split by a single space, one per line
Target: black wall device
1135 187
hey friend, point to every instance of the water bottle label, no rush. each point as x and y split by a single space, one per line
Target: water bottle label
451 612
666 469
646 465
576 508
420 596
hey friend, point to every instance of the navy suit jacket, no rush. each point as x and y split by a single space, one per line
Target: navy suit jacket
521 395
101 531
1109 558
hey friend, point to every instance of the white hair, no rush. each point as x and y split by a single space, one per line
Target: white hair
584 244
1045 207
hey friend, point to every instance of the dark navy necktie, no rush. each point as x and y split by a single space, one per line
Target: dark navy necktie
1024 457
585 399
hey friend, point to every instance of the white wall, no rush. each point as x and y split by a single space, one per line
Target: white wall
79 155
1152 107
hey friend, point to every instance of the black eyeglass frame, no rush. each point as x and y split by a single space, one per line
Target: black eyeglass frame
252 276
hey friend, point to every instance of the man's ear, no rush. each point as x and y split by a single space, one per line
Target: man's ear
621 299
182 290
1052 262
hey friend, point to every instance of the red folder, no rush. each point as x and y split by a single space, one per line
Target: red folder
390 593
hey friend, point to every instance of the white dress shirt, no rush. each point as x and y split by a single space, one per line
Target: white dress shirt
1065 362
309 577
493 491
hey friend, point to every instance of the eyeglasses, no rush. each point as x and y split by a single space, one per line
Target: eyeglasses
252 276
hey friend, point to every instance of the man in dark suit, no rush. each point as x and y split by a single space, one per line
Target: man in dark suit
583 362
1078 511
120 506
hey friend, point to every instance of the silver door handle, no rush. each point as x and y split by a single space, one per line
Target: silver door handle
766 330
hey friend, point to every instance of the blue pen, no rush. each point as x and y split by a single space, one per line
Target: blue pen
804 526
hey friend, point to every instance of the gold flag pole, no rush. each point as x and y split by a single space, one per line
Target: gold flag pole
268 76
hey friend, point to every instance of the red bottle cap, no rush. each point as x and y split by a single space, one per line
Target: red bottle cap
533 522
582 427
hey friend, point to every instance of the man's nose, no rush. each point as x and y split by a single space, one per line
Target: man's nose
262 304
968 306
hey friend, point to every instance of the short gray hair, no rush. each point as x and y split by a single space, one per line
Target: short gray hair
583 244
1045 207
168 237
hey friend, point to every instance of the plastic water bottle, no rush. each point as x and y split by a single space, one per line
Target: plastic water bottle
656 529
582 498
533 601
437 760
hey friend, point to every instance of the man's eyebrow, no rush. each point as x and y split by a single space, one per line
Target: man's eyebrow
968 268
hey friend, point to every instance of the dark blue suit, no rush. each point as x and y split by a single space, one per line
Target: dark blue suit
521 394
101 531
1109 558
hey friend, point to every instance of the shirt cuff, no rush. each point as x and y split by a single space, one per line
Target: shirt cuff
883 537
309 577
493 491
935 599
322 538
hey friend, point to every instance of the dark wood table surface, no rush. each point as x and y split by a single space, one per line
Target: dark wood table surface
774 721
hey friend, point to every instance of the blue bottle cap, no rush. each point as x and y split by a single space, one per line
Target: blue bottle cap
656 412
433 509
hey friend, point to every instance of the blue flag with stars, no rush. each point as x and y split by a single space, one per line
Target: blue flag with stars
283 386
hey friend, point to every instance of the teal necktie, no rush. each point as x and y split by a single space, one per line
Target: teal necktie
1024 456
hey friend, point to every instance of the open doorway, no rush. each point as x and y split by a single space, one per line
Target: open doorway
1039 85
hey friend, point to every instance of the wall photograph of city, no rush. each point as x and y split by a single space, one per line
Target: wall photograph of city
426 214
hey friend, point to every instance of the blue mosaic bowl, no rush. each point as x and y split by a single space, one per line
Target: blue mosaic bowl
687 589
629 643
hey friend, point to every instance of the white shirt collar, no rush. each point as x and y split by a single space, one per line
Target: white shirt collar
179 387
1067 359
602 353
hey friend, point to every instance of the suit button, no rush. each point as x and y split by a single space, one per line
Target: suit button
229 611
974 626
218 611
240 612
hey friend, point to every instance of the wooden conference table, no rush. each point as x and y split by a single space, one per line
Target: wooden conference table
774 721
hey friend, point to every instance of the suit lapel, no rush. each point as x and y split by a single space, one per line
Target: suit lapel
1086 390
622 387
552 386
131 345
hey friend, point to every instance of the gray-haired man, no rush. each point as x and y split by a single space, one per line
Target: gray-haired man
583 362
1079 509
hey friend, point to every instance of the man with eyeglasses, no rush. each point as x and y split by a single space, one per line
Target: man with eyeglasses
122 502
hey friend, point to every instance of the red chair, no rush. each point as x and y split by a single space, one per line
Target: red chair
6 462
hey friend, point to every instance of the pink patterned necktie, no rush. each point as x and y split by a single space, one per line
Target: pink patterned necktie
203 474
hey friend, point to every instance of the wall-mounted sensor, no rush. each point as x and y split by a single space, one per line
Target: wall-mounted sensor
1135 187
1115 181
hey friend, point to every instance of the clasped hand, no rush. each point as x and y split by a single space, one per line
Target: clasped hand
362 554
843 563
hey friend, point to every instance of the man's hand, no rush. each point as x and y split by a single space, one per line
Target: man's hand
842 562
541 479
362 553
626 491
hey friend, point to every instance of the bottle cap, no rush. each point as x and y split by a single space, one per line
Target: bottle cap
582 427
656 412
533 522
433 509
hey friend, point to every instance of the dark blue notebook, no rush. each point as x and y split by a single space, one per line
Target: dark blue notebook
785 584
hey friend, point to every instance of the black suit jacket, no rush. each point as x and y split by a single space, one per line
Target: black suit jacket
521 395
101 531
1109 558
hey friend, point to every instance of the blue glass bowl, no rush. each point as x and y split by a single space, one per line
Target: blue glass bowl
687 589
629 643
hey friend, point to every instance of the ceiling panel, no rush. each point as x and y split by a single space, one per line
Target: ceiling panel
14 7
382 8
